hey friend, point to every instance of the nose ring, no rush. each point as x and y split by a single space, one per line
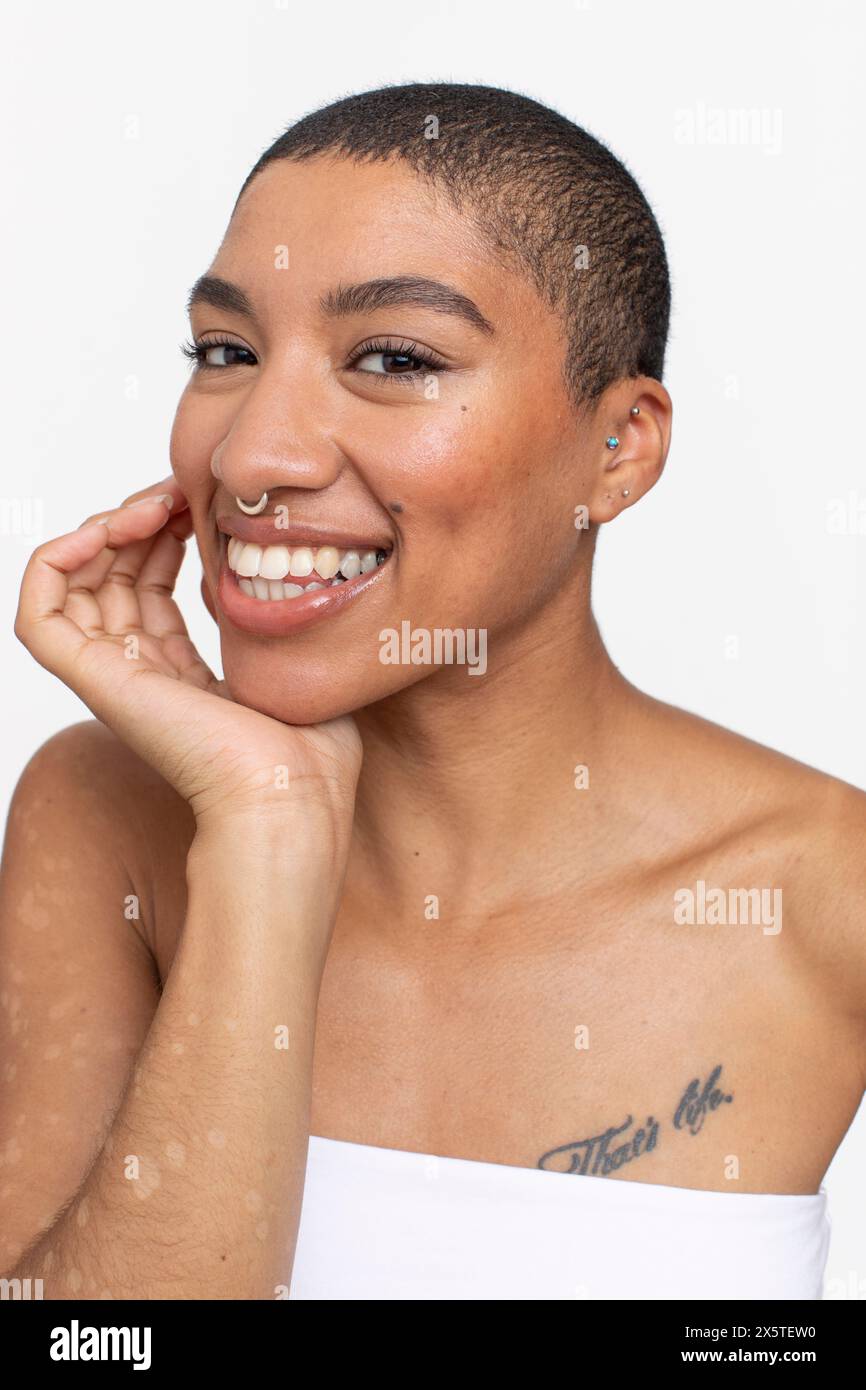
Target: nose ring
256 506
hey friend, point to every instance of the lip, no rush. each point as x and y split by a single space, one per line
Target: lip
263 530
276 618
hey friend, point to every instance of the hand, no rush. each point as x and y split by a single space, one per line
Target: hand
97 609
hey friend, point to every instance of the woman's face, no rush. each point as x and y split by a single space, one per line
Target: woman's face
463 468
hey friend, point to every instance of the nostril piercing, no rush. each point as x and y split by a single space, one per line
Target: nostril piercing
253 509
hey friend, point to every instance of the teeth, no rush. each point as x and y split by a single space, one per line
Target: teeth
247 562
302 563
234 548
274 562
262 570
327 561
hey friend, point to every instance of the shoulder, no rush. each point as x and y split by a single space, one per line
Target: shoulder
88 804
87 769
802 829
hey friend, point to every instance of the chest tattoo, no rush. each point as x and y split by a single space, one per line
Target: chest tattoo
603 1153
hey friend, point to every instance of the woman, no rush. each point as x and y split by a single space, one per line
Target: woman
424 912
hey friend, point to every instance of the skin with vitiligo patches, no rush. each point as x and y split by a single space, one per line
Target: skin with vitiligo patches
603 1153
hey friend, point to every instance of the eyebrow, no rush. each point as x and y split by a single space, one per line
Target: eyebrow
403 289
221 294
353 299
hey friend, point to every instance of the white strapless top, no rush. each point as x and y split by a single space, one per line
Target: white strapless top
388 1224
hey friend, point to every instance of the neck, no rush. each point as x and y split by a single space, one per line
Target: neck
459 771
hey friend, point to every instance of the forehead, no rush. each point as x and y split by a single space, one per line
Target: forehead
341 221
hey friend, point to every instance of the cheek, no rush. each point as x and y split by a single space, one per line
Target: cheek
453 470
486 483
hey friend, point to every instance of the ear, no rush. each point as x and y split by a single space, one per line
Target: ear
632 453
208 598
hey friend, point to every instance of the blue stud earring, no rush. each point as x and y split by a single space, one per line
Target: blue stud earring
613 442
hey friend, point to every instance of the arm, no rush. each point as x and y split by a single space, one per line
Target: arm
197 1189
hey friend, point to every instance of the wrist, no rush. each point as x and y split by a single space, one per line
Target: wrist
291 833
282 850
240 875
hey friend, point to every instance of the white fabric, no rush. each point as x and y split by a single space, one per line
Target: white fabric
387 1224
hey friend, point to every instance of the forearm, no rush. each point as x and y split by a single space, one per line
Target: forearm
196 1192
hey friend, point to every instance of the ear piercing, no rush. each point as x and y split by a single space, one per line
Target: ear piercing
612 441
254 508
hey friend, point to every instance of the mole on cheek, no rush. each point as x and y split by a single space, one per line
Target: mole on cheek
395 506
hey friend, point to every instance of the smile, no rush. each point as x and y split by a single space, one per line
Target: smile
273 590
274 573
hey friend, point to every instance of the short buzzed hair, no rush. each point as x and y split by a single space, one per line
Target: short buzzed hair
542 189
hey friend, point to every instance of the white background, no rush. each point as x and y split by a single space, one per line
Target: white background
128 130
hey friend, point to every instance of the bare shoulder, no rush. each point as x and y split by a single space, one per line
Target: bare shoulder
804 829
88 800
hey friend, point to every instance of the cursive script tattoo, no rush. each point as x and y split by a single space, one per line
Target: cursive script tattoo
598 1155
596 1151
696 1103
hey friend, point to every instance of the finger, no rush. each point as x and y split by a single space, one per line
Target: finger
161 615
110 576
155 587
166 485
118 595
41 622
180 524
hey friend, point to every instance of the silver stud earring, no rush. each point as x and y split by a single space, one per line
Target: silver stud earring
625 492
256 506
635 410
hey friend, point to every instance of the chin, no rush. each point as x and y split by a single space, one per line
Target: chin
299 691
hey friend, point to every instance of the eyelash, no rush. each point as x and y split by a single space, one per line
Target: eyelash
391 347
429 362
196 353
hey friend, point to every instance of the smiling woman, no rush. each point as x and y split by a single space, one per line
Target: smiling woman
390 1016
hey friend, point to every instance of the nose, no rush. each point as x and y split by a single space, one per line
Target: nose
271 445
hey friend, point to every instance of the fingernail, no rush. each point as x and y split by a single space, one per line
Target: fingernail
165 497
97 520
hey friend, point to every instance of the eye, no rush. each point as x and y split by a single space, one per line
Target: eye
217 353
390 359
